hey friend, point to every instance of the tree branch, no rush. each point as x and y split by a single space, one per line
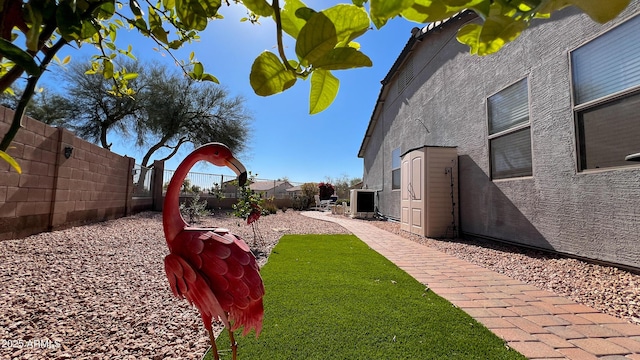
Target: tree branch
276 8
28 93
175 149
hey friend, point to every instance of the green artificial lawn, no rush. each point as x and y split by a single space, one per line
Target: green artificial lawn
332 297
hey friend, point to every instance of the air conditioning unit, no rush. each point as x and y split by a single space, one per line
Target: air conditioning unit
362 203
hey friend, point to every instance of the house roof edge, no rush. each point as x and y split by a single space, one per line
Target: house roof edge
417 34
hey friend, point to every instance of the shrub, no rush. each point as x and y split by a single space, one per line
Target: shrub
269 207
248 203
309 190
326 190
300 202
194 209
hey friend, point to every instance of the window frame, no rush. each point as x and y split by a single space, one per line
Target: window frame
512 130
578 109
396 169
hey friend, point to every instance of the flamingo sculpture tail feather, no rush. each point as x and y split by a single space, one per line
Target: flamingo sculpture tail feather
212 269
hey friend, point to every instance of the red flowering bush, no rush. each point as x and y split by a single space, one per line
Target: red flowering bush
326 190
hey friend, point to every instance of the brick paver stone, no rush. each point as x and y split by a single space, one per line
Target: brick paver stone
535 350
600 347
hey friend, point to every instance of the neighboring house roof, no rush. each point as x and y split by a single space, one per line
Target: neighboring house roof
295 188
268 185
417 35
357 185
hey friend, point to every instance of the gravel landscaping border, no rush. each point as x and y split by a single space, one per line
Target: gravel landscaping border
99 291
609 289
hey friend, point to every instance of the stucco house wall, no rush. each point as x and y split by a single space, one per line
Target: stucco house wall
442 101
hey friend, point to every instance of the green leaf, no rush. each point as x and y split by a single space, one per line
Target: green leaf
343 58
20 57
191 14
316 38
106 10
291 23
324 89
596 9
209 77
305 13
141 24
350 22
169 4
490 37
462 4
135 9
11 161
258 7
269 75
35 20
423 11
69 23
470 35
198 70
329 28
107 69
88 30
383 10
211 7
129 76
175 44
155 25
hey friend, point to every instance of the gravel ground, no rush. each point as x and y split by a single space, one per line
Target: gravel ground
99 291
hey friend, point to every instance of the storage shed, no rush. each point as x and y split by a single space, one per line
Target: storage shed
429 191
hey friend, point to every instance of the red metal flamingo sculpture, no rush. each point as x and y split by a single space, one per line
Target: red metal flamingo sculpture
212 268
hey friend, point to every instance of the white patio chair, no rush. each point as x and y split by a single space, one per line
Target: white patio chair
322 205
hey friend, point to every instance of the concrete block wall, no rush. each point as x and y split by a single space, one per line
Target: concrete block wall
54 191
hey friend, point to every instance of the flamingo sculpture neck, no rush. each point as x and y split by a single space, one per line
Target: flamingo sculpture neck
216 153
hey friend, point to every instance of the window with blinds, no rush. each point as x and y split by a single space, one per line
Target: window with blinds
606 92
509 132
395 168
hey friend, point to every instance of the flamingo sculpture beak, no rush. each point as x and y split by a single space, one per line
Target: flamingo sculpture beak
237 167
219 154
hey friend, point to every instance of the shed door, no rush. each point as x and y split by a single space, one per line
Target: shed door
416 196
404 194
412 198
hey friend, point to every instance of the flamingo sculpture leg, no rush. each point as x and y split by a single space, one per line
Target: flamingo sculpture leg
212 268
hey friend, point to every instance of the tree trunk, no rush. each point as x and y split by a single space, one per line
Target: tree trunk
145 160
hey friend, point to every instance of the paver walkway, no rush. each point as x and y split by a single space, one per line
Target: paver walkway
537 323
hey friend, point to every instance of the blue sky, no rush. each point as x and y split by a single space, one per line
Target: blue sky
285 140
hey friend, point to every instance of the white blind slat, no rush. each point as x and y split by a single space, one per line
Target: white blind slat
509 107
511 155
608 64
